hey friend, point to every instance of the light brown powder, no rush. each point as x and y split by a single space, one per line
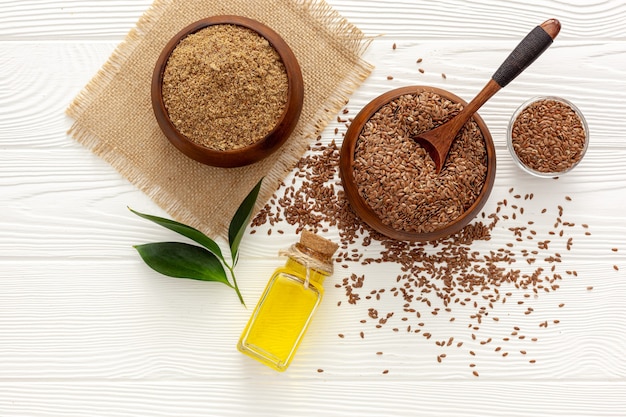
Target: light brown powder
224 87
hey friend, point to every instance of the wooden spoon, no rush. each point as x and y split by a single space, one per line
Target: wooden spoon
437 141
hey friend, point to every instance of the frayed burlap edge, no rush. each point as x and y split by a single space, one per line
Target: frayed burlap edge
331 24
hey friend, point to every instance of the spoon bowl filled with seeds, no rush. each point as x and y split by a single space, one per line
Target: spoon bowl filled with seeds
547 136
390 180
227 91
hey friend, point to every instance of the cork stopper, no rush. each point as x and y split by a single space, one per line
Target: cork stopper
324 248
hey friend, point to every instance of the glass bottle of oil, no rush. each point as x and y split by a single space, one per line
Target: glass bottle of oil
288 303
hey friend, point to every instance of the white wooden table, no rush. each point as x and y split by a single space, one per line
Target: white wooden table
86 329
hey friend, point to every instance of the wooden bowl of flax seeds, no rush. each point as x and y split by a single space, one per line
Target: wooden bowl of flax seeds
227 91
391 182
547 136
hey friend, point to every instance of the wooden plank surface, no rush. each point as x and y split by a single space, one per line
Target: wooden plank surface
87 329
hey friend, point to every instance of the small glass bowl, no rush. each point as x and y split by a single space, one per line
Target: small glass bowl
515 156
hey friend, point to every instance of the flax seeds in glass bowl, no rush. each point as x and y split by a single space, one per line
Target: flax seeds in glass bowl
390 180
227 91
547 136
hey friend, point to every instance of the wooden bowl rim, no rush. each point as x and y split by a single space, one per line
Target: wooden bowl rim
263 147
360 206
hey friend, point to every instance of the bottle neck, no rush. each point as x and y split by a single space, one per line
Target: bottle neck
315 275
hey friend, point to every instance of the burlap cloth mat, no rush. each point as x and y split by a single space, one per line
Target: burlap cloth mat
113 114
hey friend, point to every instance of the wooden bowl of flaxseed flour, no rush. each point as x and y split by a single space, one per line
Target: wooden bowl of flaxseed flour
227 91
390 180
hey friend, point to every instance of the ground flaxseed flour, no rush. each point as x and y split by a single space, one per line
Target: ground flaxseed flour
113 114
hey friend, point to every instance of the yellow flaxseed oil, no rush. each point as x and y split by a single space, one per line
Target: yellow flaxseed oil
289 301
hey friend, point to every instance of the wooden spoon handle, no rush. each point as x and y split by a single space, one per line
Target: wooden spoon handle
529 49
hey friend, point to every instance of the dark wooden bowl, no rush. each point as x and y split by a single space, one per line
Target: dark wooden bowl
264 146
360 206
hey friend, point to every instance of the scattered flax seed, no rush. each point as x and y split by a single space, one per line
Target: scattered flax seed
211 73
589 288
320 370
419 60
615 267
393 46
390 77
341 335
475 373
614 249
456 275
421 70
443 75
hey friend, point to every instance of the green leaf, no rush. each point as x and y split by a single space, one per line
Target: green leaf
182 260
187 231
240 220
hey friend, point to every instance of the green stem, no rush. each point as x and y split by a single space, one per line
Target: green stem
235 286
